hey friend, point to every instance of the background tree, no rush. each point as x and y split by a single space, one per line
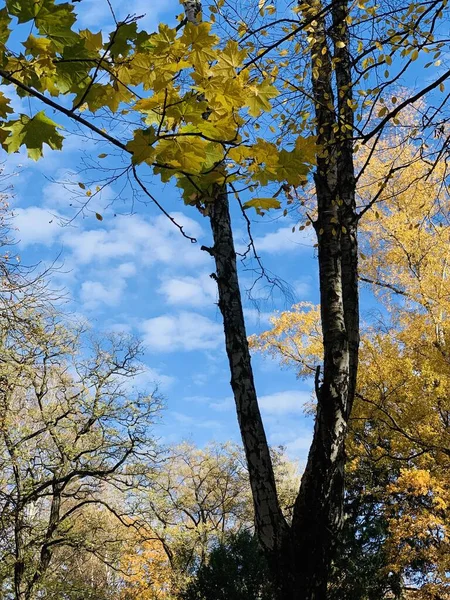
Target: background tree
236 570
197 499
71 434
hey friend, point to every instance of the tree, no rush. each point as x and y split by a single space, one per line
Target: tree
202 96
236 570
397 512
71 434
197 499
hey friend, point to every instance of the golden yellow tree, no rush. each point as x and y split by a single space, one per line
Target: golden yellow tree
399 444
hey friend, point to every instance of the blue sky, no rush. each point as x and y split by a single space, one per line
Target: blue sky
134 272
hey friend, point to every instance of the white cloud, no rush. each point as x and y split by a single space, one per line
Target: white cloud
296 440
148 378
224 405
36 226
183 331
189 291
95 293
257 317
150 241
283 240
300 445
302 289
188 421
277 404
287 402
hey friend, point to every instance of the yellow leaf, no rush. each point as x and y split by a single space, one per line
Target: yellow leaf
141 146
262 204
258 99
4 106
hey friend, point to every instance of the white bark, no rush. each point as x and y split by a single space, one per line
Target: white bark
191 9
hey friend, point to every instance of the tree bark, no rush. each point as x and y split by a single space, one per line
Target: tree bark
271 526
318 512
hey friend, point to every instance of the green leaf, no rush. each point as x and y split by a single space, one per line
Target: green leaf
141 146
5 20
260 204
98 216
52 20
121 38
102 96
4 106
33 134
24 10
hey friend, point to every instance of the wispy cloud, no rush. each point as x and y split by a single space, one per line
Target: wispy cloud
189 291
284 240
95 293
286 402
183 331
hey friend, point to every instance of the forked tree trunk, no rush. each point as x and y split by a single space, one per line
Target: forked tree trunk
300 555
318 512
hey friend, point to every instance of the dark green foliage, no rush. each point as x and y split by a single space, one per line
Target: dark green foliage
236 570
359 567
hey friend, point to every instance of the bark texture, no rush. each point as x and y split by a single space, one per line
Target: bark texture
271 527
318 514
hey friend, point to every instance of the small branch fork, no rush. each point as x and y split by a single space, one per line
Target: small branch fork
143 187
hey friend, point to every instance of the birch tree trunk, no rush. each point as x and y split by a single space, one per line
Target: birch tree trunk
318 513
271 527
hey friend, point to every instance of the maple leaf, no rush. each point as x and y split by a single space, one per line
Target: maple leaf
37 46
101 96
258 99
230 59
4 106
122 37
52 20
291 168
184 153
24 10
92 41
55 21
5 20
201 42
260 204
141 146
33 133
198 36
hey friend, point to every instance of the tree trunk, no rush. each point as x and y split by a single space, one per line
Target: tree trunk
318 512
300 556
271 527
